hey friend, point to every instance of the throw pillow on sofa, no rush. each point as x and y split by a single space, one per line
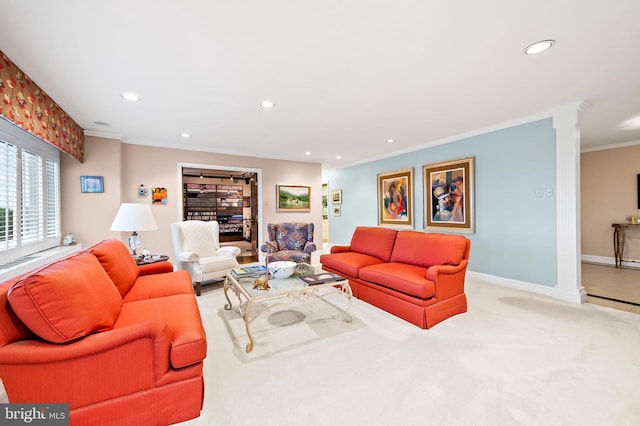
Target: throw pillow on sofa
67 299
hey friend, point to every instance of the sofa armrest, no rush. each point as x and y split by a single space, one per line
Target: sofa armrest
155 268
94 368
448 279
188 256
340 249
269 247
229 251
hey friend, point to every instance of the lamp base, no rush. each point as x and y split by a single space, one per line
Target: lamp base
134 243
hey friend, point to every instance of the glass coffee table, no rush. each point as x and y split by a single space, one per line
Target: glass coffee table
255 299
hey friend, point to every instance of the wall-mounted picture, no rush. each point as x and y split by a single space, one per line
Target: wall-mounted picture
91 184
159 195
293 198
337 210
449 195
336 196
395 198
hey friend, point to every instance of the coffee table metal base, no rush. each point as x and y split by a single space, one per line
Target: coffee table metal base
251 307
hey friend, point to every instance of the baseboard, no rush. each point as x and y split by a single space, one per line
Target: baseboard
604 260
507 282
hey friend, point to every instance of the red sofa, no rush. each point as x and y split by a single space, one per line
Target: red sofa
121 344
414 275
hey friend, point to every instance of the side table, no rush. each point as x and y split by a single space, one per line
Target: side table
618 240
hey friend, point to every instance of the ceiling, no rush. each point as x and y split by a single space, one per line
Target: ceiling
345 76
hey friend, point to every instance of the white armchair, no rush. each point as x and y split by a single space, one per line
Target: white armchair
197 247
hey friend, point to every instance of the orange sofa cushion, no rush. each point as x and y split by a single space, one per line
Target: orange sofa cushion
428 249
118 262
377 242
67 299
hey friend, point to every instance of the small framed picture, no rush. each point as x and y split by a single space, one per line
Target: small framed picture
337 210
91 184
336 196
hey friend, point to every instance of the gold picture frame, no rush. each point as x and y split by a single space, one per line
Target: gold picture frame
395 198
295 198
449 192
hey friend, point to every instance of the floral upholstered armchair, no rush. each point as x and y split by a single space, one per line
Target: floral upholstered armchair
289 241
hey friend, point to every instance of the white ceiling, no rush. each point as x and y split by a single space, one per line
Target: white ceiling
345 75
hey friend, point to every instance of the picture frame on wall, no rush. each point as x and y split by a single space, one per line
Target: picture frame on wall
91 184
337 210
395 198
449 194
296 198
336 196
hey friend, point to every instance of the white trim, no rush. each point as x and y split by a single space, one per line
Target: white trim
258 173
612 146
507 282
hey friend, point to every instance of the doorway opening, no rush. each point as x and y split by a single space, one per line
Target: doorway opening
229 195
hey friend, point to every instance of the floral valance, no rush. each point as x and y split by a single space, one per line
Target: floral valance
29 107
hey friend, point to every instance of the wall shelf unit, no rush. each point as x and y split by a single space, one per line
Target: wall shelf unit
215 202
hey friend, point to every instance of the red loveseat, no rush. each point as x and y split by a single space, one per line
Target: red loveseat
414 275
121 344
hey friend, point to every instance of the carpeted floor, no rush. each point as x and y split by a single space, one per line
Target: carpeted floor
515 358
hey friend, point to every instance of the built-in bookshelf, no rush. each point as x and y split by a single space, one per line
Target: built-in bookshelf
204 201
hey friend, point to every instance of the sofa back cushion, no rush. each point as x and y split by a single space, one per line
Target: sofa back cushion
428 249
116 260
67 299
377 242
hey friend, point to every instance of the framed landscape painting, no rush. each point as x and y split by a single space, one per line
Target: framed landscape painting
395 198
293 198
449 195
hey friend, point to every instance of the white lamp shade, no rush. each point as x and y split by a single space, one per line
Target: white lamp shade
134 217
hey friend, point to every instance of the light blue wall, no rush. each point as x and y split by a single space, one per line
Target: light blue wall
515 218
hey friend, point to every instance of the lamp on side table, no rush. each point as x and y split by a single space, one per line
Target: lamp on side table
134 217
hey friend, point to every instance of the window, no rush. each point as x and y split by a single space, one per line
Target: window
29 193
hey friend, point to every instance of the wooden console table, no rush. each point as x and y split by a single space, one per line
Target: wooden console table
618 240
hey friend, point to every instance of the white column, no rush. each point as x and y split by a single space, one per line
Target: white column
566 121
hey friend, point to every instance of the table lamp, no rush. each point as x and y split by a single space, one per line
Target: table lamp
134 217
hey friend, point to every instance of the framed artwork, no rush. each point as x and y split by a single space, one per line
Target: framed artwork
91 184
337 210
336 196
159 196
294 198
395 198
449 195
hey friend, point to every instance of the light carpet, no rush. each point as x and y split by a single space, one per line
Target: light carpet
514 358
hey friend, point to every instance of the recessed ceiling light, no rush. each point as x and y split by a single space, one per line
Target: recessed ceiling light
307 153
538 47
131 97
185 135
267 104
391 140
338 157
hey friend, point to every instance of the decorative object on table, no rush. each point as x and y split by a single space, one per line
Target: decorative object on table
304 269
449 194
159 196
395 198
321 278
91 184
635 220
248 270
282 268
69 239
134 217
293 198
261 284
289 241
336 196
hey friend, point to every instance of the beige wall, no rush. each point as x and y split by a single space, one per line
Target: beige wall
125 167
609 195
